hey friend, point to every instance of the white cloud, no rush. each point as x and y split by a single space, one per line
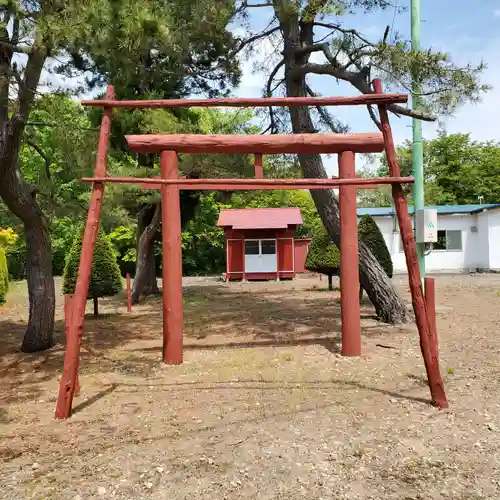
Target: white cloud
496 12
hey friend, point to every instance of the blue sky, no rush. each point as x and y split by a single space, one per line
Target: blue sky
468 33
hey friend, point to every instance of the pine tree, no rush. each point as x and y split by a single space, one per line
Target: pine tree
370 234
105 280
323 255
4 276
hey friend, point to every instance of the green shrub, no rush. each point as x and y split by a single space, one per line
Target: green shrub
323 255
4 276
105 280
370 234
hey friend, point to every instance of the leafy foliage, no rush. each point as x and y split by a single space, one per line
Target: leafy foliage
370 234
4 276
8 237
105 278
203 243
156 48
323 255
457 169
123 239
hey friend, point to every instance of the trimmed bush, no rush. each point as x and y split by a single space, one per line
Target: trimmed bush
323 256
4 276
370 234
105 280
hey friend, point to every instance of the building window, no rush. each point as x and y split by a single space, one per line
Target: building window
449 240
251 247
260 247
268 247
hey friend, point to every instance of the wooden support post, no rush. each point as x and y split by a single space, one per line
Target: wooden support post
75 331
259 169
129 293
243 276
68 298
431 361
430 302
277 256
172 261
349 271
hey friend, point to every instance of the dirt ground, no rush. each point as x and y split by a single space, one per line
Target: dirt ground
263 408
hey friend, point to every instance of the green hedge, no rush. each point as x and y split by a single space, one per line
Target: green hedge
4 276
323 255
105 279
371 236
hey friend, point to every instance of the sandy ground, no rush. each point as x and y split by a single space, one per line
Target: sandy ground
263 408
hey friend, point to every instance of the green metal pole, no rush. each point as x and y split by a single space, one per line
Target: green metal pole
418 150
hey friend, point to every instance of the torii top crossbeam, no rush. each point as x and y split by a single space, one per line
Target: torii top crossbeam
254 102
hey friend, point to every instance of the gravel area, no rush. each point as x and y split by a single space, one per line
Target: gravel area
264 406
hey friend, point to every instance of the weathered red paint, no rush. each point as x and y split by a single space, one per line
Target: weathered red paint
277 255
257 143
75 332
129 294
349 271
253 184
430 302
171 261
68 298
264 102
430 358
170 186
301 247
259 168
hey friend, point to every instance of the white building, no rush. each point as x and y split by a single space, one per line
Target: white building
468 238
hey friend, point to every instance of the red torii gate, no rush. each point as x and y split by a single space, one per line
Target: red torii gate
169 145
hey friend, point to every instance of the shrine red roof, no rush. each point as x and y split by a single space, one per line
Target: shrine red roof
259 218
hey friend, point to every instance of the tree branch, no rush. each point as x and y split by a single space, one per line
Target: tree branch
269 93
40 152
353 32
255 38
359 82
324 114
374 117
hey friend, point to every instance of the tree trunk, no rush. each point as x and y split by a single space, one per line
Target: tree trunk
20 199
388 304
360 294
145 272
96 307
330 282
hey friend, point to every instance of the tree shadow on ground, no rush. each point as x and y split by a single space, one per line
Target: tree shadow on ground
215 317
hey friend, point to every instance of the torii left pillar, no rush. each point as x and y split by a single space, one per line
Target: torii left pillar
75 331
172 261
349 265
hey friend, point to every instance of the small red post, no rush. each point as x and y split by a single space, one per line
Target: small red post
129 294
431 361
430 301
349 271
277 256
68 298
69 377
172 261
259 169
243 276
